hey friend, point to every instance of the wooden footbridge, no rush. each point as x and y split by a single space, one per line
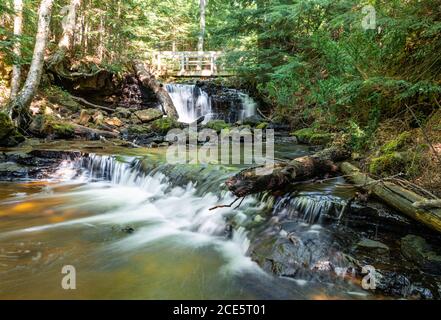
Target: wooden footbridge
188 64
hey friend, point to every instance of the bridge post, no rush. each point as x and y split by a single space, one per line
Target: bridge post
182 63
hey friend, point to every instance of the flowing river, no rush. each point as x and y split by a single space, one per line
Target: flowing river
135 228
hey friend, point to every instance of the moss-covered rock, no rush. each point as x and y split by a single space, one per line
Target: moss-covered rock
149 115
139 129
44 125
312 136
164 125
389 163
9 136
63 130
217 125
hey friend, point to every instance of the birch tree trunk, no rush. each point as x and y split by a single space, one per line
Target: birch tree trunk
16 68
19 107
69 26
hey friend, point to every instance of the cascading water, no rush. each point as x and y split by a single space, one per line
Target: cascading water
249 106
190 101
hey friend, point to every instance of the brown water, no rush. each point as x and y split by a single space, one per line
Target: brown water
134 236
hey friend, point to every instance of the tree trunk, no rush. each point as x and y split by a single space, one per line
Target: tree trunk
19 107
66 41
16 68
149 80
281 175
397 197
202 6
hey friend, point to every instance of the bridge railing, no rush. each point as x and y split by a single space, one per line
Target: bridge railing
188 63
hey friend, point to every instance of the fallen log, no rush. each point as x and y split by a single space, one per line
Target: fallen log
428 204
397 197
93 134
281 175
149 80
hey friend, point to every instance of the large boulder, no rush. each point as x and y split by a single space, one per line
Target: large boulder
149 115
43 126
9 136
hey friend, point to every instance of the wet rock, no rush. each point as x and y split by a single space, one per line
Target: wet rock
128 230
36 164
149 115
416 249
395 284
11 171
372 245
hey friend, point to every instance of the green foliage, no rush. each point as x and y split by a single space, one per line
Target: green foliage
217 125
303 55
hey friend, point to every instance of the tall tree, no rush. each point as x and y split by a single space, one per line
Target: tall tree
202 7
16 68
68 25
19 107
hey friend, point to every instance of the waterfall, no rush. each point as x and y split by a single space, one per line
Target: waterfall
310 208
249 106
190 101
153 194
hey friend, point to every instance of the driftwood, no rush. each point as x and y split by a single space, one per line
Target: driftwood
149 80
397 197
86 103
281 175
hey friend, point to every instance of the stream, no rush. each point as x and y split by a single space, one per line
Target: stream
135 227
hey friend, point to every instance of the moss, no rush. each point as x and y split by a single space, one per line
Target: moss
44 125
163 125
390 163
59 96
6 126
139 129
9 136
262 125
396 144
63 130
312 136
217 125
